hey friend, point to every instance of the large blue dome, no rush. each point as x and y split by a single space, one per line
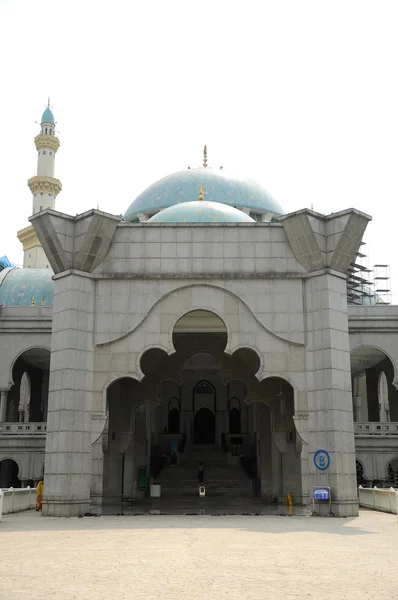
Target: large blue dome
26 287
48 116
201 211
218 186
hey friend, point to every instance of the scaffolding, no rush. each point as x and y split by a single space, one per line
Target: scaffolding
359 285
382 284
366 286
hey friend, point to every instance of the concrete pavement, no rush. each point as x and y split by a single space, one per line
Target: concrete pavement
198 557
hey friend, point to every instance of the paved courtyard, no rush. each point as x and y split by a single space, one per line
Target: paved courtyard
201 557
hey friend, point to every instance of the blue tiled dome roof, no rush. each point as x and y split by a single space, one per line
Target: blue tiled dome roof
48 116
201 211
218 186
26 287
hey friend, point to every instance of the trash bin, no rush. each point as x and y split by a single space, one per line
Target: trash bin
155 490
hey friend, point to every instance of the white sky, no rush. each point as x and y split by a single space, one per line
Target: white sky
299 95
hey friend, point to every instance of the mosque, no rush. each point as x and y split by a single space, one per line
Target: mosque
205 325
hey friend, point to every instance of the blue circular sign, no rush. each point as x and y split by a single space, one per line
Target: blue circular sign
321 460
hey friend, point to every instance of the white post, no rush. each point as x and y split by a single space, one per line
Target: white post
12 499
396 494
1 504
391 493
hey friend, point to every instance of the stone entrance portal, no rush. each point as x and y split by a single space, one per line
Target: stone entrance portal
200 404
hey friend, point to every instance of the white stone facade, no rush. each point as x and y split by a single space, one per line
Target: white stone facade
271 284
279 289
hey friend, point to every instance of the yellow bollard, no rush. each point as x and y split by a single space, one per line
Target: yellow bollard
289 504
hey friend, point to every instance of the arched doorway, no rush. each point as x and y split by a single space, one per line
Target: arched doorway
9 474
392 472
234 416
27 399
204 427
125 445
173 425
360 473
375 398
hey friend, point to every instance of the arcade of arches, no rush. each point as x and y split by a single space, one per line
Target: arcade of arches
375 398
201 404
27 399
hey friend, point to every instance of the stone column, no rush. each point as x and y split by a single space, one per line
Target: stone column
265 462
357 402
3 405
68 440
329 390
326 246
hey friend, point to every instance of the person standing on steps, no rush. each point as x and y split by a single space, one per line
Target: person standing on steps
200 473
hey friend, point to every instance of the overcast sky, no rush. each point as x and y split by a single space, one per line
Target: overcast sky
299 95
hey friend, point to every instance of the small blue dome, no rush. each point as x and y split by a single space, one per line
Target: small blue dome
48 116
218 186
201 211
26 287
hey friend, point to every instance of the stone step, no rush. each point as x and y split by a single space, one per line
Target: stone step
224 483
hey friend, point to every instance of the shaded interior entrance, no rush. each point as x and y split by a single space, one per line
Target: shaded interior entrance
204 427
9 474
202 405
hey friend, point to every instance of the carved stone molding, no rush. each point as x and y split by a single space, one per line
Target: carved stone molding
28 238
49 185
47 141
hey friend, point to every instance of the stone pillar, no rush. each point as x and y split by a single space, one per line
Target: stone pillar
329 390
3 405
265 463
68 441
382 393
357 402
326 246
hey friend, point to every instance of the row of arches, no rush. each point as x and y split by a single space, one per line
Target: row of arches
202 414
388 478
375 398
27 399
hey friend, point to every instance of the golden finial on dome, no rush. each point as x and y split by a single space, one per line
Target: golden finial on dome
200 197
205 156
48 103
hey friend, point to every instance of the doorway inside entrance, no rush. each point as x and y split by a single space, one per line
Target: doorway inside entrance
204 427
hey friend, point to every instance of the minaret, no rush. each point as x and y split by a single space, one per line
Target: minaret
44 188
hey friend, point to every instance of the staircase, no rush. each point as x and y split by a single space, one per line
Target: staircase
227 486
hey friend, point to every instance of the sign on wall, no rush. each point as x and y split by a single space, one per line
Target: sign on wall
320 493
321 460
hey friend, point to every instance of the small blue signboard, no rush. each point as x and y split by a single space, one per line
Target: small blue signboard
321 460
320 493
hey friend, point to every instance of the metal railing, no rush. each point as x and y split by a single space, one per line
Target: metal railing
376 428
23 428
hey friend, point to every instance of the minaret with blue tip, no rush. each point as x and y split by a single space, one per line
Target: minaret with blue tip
44 188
